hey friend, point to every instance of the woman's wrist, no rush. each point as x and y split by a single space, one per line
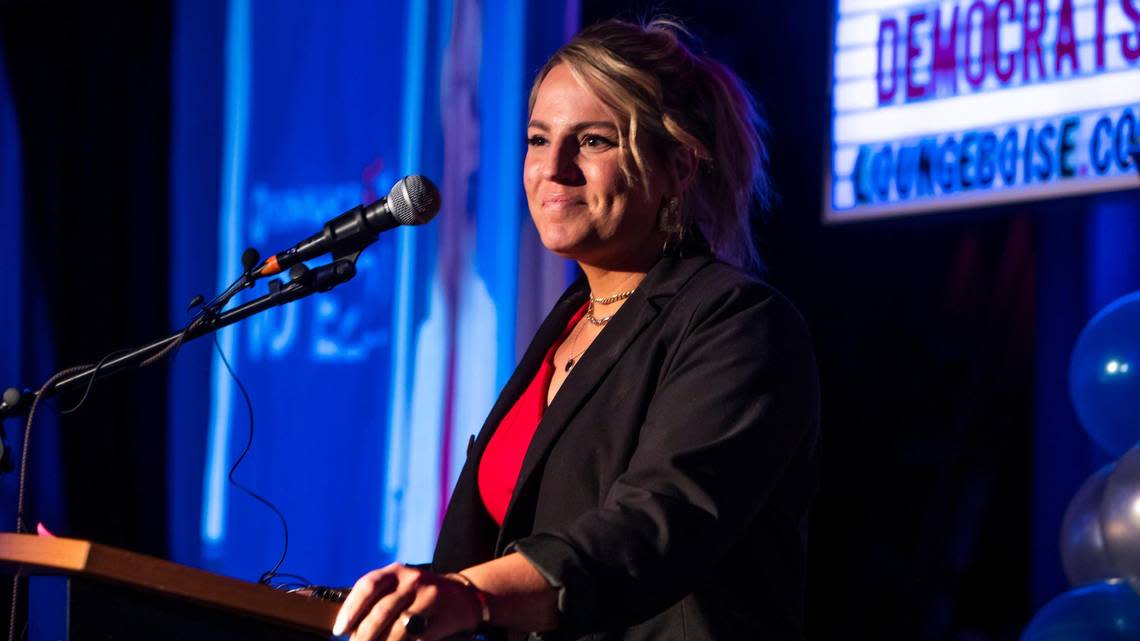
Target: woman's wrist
519 597
482 607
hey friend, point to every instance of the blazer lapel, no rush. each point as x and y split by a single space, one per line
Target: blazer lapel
548 332
635 315
460 543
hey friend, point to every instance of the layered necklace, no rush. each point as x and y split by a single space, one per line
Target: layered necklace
595 320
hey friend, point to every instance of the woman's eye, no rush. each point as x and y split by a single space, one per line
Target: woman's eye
535 141
594 141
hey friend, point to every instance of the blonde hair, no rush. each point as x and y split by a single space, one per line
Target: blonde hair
671 99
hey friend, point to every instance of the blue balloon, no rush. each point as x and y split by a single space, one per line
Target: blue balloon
1104 375
1107 611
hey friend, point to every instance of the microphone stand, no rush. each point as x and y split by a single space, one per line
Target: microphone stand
303 282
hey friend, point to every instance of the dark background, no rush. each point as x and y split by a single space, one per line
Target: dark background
92 94
941 339
924 330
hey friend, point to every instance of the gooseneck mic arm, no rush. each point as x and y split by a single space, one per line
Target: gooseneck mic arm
413 201
304 283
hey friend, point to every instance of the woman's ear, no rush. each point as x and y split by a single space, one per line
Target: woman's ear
682 169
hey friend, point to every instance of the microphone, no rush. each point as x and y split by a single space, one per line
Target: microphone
413 200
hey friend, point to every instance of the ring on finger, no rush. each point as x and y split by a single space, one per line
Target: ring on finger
414 624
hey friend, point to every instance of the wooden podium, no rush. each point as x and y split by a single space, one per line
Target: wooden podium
116 595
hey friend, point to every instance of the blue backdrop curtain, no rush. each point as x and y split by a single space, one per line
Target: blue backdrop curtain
25 358
26 354
11 263
11 266
284 115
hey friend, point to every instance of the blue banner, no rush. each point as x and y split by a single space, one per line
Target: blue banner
364 397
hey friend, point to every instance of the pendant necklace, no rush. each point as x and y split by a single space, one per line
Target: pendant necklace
594 320
574 343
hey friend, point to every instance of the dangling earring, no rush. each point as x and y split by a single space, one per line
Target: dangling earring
669 221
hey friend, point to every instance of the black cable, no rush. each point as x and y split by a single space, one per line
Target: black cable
91 381
299 579
202 317
209 311
20 491
268 575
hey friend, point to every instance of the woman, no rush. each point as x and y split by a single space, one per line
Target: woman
646 472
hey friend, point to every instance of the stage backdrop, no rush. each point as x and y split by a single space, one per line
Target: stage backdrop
11 267
11 284
287 114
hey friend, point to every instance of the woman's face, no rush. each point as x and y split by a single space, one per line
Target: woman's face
579 199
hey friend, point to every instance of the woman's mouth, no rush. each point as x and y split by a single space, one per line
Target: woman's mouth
558 202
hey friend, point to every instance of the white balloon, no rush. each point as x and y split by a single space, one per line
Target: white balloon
1082 542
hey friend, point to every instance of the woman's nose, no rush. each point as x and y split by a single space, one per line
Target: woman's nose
561 163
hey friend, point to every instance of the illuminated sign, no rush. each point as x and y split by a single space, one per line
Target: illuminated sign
948 105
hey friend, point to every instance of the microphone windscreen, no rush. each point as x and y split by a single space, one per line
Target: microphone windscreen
414 200
12 397
249 259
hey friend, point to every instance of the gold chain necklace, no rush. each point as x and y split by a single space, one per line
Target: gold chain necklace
607 300
594 320
611 299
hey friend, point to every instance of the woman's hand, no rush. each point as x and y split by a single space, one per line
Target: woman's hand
382 602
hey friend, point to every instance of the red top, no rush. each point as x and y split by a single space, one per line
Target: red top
502 460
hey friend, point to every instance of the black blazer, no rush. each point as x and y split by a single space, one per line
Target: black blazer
666 489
